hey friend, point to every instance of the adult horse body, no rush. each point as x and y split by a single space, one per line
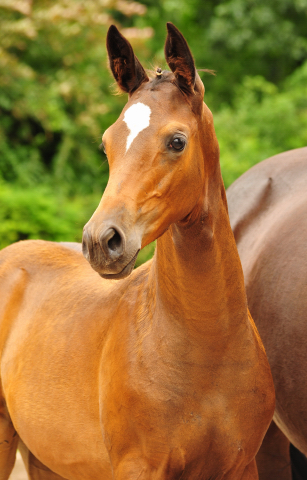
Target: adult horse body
268 213
160 375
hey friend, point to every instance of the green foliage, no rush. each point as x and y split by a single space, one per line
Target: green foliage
37 213
54 94
56 100
235 38
268 38
55 103
264 121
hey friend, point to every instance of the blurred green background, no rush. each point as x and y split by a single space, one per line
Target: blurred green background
56 95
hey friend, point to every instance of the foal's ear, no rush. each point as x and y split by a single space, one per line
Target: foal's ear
180 59
126 69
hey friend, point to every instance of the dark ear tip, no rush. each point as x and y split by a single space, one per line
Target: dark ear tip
113 32
112 29
171 27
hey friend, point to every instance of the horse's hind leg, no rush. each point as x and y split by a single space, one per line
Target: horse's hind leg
36 470
8 442
273 458
298 464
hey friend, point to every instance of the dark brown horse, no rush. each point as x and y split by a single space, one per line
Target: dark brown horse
148 374
268 213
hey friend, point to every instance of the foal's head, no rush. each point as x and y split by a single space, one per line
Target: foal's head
159 151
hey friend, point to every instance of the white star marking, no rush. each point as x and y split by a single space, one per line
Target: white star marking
137 119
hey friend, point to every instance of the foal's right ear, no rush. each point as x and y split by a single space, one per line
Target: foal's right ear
126 69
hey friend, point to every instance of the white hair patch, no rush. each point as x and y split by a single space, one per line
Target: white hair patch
137 119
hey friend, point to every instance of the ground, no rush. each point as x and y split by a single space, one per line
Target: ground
19 472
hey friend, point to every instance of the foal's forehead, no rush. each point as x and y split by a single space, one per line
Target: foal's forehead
137 118
150 108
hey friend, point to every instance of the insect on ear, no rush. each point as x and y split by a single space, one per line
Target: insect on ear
126 68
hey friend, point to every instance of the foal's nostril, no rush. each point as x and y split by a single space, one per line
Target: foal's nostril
115 243
112 242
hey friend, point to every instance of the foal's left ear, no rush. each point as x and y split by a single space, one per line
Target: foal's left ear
180 59
126 68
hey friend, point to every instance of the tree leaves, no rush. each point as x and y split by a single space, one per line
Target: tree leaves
56 101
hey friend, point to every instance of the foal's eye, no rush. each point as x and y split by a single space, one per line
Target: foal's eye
178 143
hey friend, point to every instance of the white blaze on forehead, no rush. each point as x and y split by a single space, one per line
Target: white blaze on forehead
137 119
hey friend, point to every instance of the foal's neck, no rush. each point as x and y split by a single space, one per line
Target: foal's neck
197 267
199 275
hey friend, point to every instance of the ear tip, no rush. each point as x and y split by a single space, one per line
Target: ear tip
173 31
113 31
113 28
114 37
170 27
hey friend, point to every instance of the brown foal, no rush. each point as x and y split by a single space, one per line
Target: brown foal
154 373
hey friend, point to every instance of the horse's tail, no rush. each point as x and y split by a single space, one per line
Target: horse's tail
298 464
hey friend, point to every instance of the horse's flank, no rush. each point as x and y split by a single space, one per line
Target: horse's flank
267 207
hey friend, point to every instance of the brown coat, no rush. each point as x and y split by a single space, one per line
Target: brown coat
268 212
160 374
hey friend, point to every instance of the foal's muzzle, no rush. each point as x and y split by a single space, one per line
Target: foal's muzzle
108 251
